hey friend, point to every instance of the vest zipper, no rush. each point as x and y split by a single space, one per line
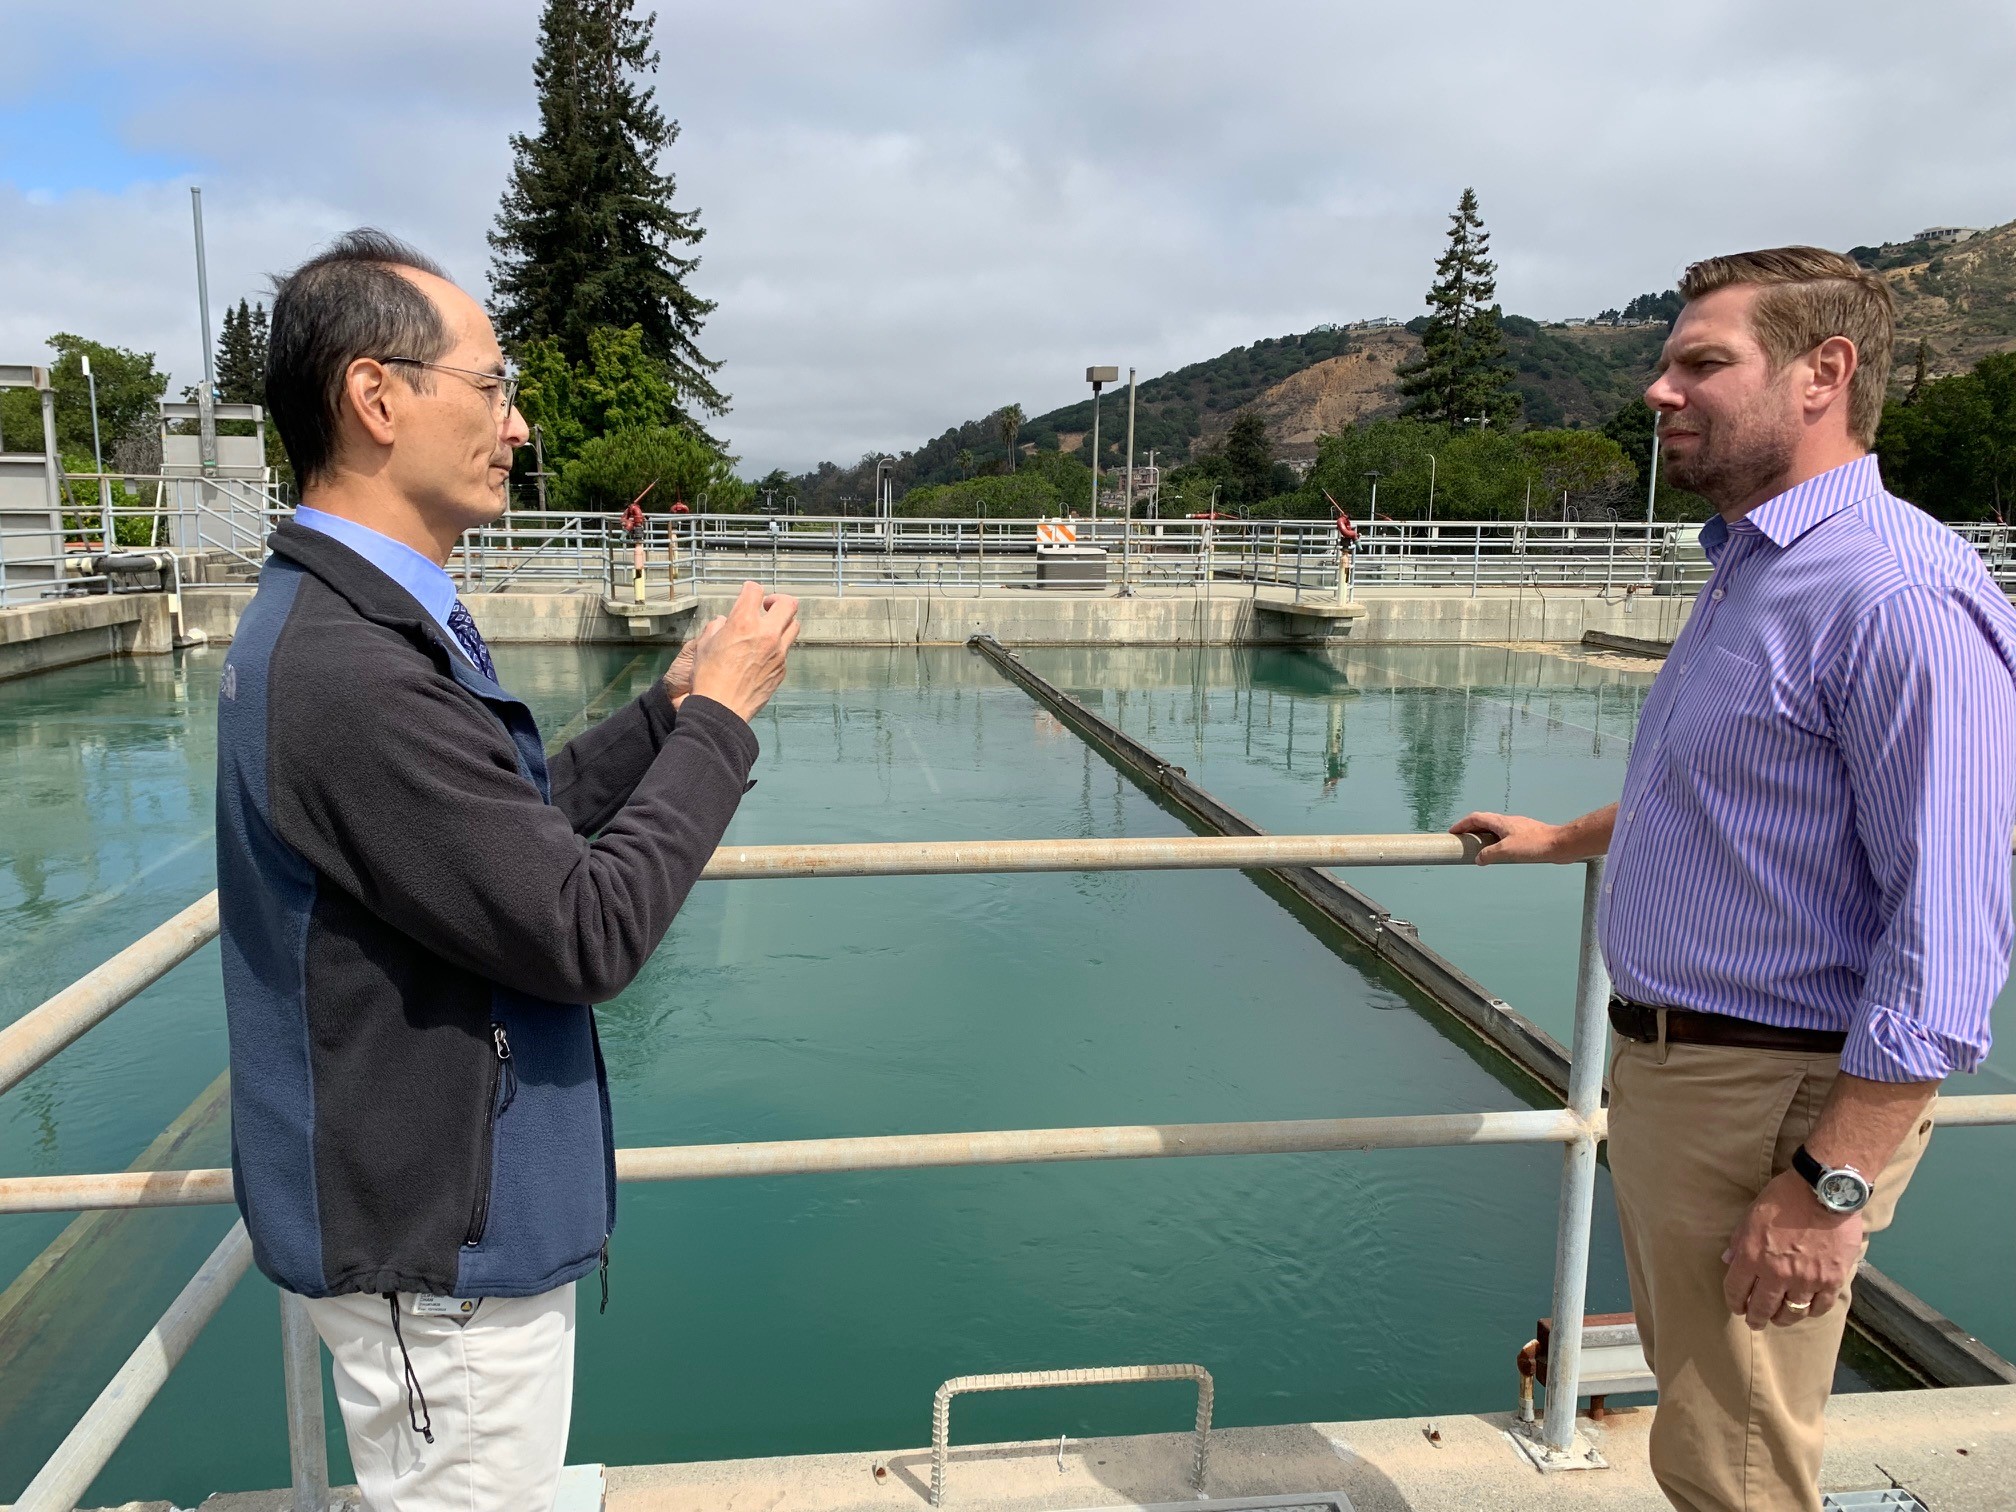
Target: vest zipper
504 1079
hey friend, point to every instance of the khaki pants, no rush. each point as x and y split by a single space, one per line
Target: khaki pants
499 1388
1695 1133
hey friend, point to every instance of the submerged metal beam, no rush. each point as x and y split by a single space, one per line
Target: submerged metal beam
1514 1036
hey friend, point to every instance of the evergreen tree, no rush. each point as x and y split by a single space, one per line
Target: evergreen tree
241 355
1249 460
1463 373
587 235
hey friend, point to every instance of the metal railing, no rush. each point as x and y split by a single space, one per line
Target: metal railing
528 550
1578 1127
53 553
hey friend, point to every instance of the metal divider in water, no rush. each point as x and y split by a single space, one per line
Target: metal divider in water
1899 1324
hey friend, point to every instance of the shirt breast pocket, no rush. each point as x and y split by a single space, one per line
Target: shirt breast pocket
1724 704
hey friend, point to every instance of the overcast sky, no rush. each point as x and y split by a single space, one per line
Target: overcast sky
917 212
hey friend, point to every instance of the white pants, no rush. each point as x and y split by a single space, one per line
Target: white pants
499 1389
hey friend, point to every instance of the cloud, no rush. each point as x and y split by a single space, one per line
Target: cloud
919 211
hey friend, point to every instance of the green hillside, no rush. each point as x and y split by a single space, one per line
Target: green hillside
1958 296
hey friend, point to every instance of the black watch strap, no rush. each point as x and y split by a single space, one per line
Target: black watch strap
1810 1170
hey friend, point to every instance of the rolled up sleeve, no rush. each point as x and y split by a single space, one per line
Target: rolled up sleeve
1924 709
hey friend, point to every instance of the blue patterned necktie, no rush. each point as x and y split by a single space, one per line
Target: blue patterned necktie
463 623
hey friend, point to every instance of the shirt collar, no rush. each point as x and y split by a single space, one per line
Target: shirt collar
420 576
1788 516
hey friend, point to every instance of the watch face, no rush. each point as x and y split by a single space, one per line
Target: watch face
1843 1191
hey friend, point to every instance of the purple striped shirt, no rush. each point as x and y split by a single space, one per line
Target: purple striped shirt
1815 825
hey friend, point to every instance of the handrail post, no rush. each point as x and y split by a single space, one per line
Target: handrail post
301 1370
1578 1178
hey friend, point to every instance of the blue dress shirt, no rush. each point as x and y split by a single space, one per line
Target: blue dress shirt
420 576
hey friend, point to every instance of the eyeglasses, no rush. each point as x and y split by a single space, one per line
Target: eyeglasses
502 388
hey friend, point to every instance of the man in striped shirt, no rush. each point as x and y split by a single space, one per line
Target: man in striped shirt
1807 907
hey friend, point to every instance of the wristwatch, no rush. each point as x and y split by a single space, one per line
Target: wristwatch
1841 1189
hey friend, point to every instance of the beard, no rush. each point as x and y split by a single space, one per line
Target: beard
1735 457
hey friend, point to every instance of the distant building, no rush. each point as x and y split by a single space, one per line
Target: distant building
1947 234
1376 323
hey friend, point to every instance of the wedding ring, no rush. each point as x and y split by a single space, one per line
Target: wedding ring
1797 1306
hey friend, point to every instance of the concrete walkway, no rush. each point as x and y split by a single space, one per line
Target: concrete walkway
1955 1449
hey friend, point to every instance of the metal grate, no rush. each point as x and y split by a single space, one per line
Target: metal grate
1896 1499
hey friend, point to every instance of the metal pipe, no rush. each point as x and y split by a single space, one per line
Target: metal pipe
104 1426
41 1032
1578 1175
1029 1380
1176 853
206 400
307 1437
897 1152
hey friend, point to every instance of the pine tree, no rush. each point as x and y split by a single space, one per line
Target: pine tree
241 355
587 235
1463 374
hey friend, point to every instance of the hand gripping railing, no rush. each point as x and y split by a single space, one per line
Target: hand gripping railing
1029 1380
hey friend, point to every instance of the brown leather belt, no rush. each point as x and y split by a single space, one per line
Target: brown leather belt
1684 1026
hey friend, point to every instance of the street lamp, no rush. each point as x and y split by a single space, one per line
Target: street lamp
98 455
1098 377
1652 489
1431 493
1374 475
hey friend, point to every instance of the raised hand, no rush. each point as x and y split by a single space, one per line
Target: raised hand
739 661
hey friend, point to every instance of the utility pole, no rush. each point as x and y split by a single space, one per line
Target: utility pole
206 398
1127 524
1652 489
1130 443
98 458
1098 377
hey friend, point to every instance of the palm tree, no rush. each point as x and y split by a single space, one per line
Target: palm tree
965 460
1009 420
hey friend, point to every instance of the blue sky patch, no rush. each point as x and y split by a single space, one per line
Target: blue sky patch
57 144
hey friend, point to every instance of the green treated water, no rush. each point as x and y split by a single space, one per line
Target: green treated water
1416 737
815 1313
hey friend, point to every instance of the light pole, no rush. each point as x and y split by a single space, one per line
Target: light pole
1098 377
206 400
1374 475
1652 489
1127 523
1431 494
98 456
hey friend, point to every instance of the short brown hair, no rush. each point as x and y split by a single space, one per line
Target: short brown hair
1807 295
